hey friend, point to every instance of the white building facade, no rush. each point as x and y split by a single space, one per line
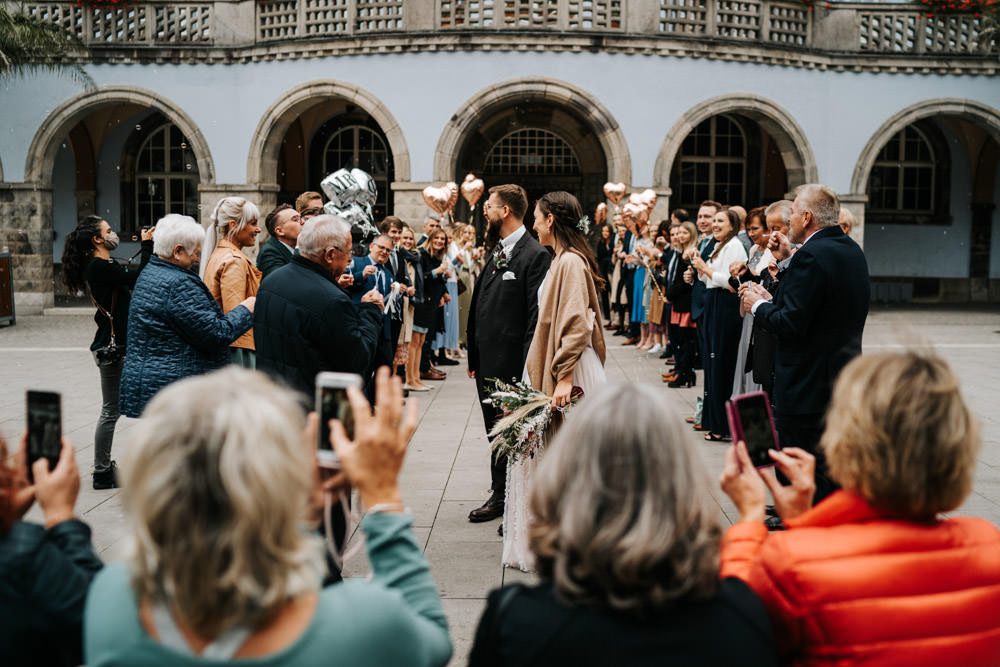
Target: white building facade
734 101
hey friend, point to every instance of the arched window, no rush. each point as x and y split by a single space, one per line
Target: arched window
903 178
532 151
166 177
361 147
713 163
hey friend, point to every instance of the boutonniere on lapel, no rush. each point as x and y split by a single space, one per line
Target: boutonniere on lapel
501 259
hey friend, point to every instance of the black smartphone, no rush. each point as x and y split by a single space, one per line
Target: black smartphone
332 403
44 428
751 421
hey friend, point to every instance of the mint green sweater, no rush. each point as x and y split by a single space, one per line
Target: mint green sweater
396 619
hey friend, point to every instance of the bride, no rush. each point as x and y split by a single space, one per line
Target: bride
567 349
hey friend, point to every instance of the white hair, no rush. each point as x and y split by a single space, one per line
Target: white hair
822 202
174 230
783 206
216 502
228 210
322 232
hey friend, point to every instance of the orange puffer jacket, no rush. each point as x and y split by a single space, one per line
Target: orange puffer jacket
847 584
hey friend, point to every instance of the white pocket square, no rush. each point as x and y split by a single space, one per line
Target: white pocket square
508 275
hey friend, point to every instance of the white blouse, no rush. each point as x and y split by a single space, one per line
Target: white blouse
733 251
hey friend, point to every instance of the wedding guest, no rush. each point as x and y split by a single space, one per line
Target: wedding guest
310 213
875 574
446 341
45 570
414 271
847 221
606 264
721 321
620 277
230 275
87 267
220 568
468 271
756 229
679 293
283 225
175 326
428 316
626 538
308 200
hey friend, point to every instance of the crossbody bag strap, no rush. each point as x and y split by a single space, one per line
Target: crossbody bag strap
108 313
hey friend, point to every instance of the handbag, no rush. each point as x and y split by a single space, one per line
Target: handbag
110 353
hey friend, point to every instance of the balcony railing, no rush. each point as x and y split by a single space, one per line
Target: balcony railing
875 28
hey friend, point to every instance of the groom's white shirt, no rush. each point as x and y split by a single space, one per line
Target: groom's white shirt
511 239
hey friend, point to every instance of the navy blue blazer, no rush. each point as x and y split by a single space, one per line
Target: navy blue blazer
818 316
364 284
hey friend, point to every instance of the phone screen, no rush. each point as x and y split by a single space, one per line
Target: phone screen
44 427
757 428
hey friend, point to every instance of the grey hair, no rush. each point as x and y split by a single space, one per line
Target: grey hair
322 232
623 515
174 230
216 502
784 206
821 201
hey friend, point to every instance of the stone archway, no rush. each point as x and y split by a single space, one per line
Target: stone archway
796 152
979 114
553 91
44 146
262 163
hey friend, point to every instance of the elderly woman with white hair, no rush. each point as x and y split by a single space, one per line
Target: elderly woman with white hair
230 275
175 327
222 568
626 541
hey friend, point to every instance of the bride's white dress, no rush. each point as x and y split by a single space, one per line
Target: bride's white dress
588 375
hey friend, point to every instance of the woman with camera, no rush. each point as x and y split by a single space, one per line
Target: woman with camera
87 267
875 574
222 567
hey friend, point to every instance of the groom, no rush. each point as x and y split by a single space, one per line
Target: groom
503 314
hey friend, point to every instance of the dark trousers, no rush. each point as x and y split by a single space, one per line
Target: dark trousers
723 327
397 328
498 464
684 342
605 299
804 431
104 434
425 353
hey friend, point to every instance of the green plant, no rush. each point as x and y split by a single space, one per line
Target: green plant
29 44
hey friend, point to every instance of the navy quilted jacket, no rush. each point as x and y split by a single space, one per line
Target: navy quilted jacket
175 330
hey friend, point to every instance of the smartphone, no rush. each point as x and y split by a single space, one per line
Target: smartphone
332 403
751 421
44 420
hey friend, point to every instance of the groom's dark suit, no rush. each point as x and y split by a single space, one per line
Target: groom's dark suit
502 318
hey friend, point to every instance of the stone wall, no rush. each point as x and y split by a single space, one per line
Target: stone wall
26 231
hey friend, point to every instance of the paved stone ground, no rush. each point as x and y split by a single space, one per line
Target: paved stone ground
446 471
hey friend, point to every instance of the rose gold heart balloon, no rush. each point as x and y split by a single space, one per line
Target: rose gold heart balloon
452 188
637 212
472 189
601 214
648 198
636 198
437 198
615 192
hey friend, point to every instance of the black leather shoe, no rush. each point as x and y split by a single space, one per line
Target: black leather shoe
445 361
491 509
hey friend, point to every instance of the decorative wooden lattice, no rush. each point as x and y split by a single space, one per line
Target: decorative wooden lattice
684 17
502 13
952 33
325 17
168 23
278 20
888 31
378 15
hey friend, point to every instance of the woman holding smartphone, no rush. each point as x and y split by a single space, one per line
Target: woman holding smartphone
87 267
434 269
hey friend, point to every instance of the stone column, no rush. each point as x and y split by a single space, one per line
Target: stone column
26 230
408 203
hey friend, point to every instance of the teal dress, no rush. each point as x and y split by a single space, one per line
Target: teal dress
395 619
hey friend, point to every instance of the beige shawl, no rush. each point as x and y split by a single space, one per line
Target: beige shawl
568 320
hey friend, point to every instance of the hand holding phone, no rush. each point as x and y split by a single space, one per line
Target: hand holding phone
44 419
751 421
332 403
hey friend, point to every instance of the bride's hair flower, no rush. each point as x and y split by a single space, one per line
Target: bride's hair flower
584 225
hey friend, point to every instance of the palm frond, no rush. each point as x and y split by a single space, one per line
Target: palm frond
29 45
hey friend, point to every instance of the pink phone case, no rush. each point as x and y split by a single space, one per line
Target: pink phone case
736 426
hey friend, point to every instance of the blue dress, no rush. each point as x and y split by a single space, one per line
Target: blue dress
639 296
